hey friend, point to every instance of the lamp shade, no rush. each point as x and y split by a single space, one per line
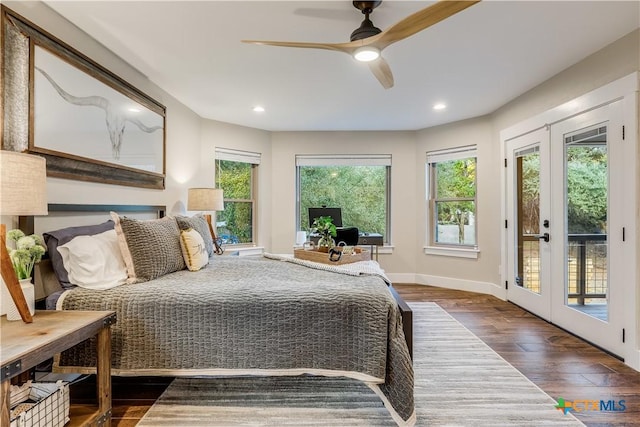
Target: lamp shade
205 199
23 184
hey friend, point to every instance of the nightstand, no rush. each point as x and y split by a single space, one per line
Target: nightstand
24 345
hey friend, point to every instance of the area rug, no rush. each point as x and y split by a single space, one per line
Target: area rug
459 381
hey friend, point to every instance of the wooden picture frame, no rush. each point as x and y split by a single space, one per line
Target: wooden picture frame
87 122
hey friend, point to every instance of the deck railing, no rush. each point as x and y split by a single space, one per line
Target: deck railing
587 267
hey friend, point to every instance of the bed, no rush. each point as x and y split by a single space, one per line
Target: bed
263 315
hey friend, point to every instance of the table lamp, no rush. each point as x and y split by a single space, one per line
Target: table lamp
207 200
23 191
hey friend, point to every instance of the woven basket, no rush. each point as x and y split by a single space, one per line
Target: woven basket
40 404
323 257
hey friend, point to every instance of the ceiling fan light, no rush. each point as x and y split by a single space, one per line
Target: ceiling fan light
366 54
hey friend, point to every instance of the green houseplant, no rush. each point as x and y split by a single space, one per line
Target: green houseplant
28 251
327 230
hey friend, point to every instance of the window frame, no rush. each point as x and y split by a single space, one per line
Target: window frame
432 246
329 160
240 156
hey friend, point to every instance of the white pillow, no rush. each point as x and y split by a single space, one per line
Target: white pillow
194 250
94 262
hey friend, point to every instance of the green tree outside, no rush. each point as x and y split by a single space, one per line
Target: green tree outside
359 190
235 180
587 180
455 180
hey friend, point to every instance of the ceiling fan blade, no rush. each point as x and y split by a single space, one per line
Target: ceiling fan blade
419 21
340 47
380 68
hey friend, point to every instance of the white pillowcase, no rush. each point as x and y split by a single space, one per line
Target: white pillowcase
94 262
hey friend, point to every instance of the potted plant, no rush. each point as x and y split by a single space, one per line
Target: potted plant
28 251
327 230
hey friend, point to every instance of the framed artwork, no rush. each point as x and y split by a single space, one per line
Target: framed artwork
87 122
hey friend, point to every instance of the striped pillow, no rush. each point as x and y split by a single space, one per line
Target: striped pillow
150 248
193 250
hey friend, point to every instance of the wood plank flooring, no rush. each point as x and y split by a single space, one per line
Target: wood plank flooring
559 363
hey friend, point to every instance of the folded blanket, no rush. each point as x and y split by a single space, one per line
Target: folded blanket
360 268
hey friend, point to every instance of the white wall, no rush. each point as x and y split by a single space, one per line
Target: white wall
611 63
479 274
189 138
191 142
617 60
223 135
182 124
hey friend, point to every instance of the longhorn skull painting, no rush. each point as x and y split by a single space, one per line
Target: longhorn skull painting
116 121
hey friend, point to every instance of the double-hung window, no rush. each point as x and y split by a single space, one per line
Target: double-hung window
451 188
358 184
236 175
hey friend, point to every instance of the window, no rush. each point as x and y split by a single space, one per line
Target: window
236 173
452 197
358 184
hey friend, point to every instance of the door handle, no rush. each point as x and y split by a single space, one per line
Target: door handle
544 237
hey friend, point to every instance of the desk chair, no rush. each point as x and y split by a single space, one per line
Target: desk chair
348 235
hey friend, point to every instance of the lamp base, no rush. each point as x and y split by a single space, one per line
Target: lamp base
217 249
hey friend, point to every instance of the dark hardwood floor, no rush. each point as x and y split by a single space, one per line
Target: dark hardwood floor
559 363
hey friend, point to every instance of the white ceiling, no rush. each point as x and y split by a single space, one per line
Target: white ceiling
475 61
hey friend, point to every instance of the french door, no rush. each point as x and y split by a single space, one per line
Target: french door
529 254
565 240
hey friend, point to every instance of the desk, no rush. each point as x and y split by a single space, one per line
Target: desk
24 345
371 239
364 239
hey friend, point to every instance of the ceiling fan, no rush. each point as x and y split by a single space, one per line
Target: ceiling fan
368 41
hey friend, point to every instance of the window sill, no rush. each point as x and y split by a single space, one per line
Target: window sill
244 251
452 252
386 249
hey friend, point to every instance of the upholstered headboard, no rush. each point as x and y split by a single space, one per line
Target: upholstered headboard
71 215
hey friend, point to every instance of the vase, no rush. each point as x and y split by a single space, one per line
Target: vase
325 243
28 291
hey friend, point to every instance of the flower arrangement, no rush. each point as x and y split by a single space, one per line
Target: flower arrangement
28 251
326 229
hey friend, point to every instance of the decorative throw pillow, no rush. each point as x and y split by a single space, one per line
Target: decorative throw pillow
200 224
193 250
56 238
94 262
150 248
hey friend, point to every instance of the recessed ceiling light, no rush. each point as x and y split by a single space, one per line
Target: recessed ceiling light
134 110
258 109
439 106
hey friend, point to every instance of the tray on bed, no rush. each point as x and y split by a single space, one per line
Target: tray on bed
323 257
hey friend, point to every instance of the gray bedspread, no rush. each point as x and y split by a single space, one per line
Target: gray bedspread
253 315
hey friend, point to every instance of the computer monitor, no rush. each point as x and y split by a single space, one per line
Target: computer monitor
334 213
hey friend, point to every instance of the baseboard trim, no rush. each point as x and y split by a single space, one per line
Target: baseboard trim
450 283
401 277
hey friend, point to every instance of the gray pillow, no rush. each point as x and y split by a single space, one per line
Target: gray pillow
200 224
150 248
56 238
